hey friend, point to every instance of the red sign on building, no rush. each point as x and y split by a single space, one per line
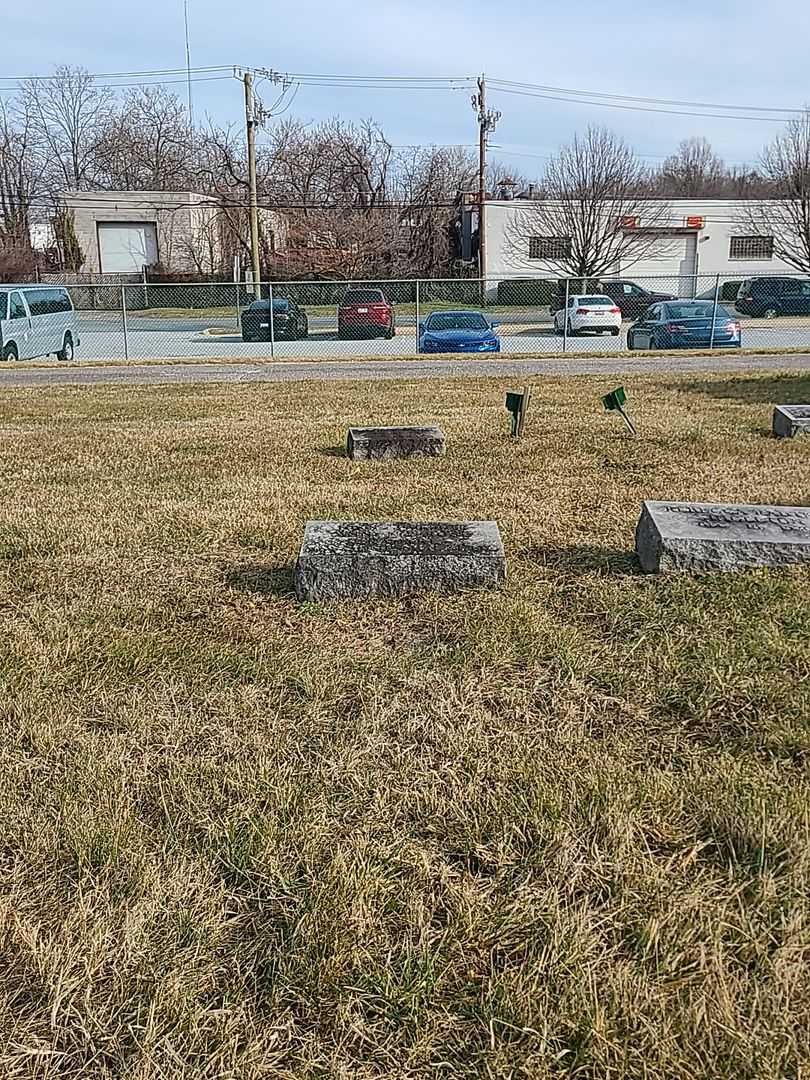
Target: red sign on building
695 222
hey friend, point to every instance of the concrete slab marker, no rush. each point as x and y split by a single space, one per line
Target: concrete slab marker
343 559
385 443
673 536
791 420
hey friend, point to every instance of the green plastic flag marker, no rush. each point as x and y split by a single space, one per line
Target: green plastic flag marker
615 402
518 405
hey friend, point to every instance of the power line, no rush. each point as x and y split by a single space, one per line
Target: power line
223 204
145 85
239 204
651 157
649 100
56 76
636 108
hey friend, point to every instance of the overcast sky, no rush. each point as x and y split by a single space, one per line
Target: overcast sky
715 52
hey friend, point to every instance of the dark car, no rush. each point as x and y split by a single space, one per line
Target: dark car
631 299
365 313
685 324
769 297
458 331
289 321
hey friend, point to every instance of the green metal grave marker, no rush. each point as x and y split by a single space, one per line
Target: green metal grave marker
615 402
518 404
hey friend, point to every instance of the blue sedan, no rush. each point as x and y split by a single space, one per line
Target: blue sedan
458 331
684 324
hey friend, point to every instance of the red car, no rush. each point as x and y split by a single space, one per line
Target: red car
365 313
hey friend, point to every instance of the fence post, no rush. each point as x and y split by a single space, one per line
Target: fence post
714 309
124 320
565 316
145 289
416 324
272 327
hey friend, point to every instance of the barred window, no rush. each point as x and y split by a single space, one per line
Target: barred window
750 247
549 247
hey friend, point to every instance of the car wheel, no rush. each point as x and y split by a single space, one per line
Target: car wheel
571 331
66 352
631 342
10 352
389 333
770 312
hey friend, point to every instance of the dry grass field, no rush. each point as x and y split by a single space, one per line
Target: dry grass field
556 831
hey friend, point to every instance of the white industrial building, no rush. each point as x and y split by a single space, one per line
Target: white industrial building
699 238
122 232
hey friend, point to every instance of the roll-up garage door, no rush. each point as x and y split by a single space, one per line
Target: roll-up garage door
126 247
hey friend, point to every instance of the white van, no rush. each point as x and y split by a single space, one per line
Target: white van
36 320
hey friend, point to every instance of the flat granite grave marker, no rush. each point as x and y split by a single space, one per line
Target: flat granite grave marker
367 444
720 536
341 559
790 420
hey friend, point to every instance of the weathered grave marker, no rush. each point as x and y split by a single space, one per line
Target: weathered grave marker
340 559
674 536
791 420
517 402
615 402
367 444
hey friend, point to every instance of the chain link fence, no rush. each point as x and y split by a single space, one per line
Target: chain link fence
330 320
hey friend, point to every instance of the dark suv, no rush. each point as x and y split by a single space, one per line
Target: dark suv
289 321
631 299
771 296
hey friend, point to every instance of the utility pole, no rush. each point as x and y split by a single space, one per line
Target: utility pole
250 120
487 119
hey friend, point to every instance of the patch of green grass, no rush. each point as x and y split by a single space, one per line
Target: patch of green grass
558 830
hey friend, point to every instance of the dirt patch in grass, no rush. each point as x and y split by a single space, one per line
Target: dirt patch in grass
558 830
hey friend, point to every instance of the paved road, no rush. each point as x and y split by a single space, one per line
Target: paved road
171 344
157 374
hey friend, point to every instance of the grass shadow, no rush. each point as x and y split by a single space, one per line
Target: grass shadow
770 390
262 580
333 451
581 559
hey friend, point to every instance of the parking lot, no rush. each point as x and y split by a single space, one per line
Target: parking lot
150 337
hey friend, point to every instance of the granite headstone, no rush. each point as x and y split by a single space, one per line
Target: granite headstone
366 444
790 420
673 536
340 559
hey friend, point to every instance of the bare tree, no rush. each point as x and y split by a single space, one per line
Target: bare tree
146 144
593 215
20 173
68 113
692 172
427 182
785 217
